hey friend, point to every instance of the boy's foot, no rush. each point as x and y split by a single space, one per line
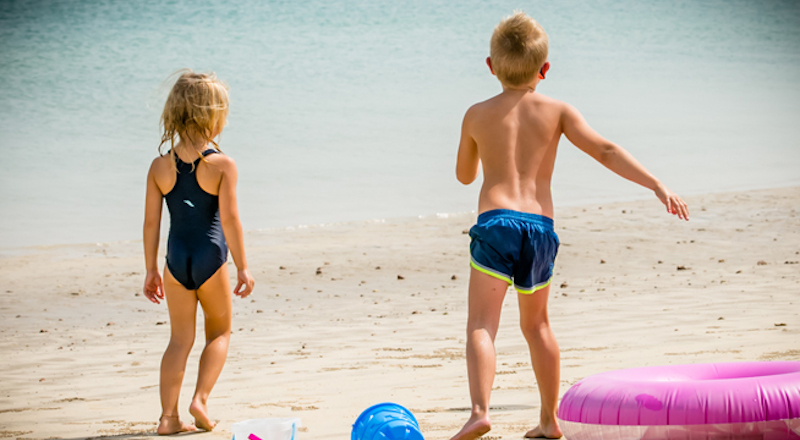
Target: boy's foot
172 425
199 411
538 432
474 428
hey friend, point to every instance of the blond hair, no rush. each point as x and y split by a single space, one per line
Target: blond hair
518 49
196 109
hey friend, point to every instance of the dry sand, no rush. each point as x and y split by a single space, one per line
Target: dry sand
346 316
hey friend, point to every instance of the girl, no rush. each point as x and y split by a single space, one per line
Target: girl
199 184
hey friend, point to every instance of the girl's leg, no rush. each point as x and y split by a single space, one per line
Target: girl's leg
545 358
486 295
215 299
182 305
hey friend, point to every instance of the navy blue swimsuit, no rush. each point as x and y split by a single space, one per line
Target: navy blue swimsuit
196 247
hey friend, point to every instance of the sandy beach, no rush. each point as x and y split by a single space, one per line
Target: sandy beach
349 315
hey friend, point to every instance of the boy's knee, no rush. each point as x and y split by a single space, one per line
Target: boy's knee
534 329
487 325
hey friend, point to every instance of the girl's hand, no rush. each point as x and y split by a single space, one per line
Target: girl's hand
153 286
675 205
245 283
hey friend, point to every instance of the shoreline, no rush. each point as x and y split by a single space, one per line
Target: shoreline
11 251
358 313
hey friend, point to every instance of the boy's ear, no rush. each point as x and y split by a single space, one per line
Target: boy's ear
543 71
489 63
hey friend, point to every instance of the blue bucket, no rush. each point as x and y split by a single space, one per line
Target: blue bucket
386 421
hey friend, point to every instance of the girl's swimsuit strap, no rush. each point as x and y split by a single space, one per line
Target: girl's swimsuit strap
204 153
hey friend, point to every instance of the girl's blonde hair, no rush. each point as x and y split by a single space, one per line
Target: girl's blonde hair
518 49
196 109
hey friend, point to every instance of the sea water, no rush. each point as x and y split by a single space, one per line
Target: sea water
351 110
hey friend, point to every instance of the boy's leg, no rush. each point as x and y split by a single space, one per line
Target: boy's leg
215 299
545 358
182 305
486 295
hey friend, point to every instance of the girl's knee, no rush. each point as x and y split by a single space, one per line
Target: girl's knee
182 336
222 335
217 327
180 346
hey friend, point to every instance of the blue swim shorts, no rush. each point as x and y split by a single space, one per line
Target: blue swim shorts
517 247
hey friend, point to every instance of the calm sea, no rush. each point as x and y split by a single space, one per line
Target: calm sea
351 110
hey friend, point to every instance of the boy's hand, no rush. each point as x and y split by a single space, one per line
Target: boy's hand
153 286
244 280
675 205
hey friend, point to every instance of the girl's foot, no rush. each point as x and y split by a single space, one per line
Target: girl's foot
199 410
172 425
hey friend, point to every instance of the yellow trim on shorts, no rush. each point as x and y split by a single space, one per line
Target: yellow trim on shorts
535 288
507 279
489 272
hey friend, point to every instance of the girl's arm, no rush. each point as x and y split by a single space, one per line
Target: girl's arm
618 160
232 226
153 285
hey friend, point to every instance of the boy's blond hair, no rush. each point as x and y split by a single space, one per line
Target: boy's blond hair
518 49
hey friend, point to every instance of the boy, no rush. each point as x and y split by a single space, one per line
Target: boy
514 136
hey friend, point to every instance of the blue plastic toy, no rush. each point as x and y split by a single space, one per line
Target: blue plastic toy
386 421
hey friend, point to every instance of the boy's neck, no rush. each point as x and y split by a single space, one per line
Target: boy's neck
518 90
525 88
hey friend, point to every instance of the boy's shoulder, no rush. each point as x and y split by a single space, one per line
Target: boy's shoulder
500 105
504 100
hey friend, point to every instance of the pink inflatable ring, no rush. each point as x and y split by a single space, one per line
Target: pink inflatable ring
747 400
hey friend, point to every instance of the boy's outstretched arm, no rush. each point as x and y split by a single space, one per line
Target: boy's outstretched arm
617 159
468 160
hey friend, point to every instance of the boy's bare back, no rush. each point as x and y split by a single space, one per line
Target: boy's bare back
515 135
